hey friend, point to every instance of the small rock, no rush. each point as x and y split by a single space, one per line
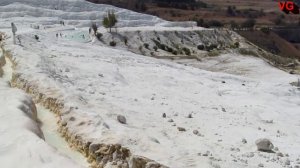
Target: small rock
72 118
279 154
287 162
64 123
196 132
121 119
243 84
269 121
164 115
181 129
223 109
244 141
190 116
152 98
264 145
223 82
93 148
101 75
170 120
106 125
276 149
296 166
67 70
174 125
248 155
260 165
206 154
259 128
292 72
154 140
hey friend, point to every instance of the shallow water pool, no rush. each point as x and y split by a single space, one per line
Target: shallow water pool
79 36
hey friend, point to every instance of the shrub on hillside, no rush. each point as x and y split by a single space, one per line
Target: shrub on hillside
162 46
233 25
187 51
125 41
146 45
211 47
169 49
155 48
245 51
99 35
249 23
265 30
237 44
213 53
36 37
200 47
112 43
214 23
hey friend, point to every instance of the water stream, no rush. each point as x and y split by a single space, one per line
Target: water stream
53 138
49 126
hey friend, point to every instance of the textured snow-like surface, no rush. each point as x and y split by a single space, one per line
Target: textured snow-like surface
142 89
76 12
21 143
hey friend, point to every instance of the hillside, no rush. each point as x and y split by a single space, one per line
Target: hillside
272 42
264 11
231 13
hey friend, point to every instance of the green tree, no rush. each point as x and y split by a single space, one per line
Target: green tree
109 20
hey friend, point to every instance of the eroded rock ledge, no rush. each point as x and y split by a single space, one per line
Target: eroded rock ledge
98 155
2 61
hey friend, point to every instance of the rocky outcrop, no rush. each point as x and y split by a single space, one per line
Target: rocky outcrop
2 60
2 63
167 44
